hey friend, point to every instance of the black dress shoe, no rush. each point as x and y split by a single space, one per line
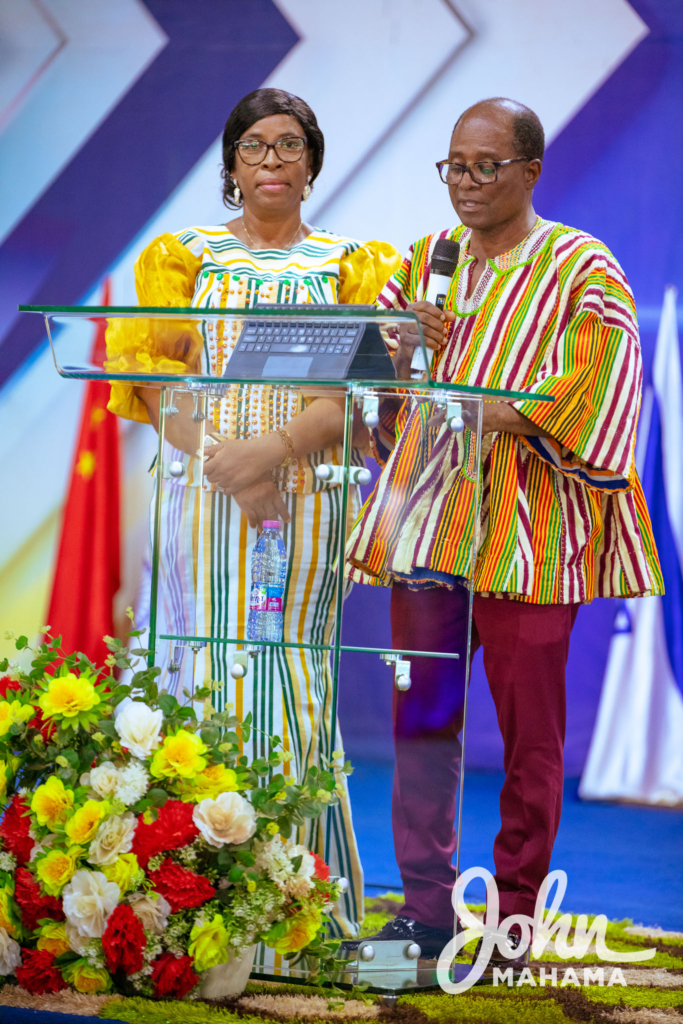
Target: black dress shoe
503 962
430 940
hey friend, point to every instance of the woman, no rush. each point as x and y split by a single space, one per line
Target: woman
263 464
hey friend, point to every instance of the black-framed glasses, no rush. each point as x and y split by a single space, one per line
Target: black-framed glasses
483 172
254 151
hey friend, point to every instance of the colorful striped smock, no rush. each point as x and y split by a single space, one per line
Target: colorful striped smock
287 691
562 520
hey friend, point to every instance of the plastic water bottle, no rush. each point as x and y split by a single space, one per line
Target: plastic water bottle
268 578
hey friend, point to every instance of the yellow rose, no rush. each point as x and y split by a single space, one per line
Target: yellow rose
57 867
85 822
180 755
53 938
124 871
51 802
13 712
213 781
68 695
209 944
86 978
8 919
292 934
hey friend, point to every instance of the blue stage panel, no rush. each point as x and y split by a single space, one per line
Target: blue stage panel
621 860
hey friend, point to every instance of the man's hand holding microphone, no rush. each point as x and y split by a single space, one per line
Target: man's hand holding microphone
434 319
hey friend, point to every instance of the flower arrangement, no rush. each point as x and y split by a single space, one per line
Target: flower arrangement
138 847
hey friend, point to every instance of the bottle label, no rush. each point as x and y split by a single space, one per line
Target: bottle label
274 599
258 598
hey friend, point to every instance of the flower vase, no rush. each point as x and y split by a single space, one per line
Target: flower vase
229 979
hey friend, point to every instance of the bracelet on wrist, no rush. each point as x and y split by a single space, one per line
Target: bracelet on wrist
288 443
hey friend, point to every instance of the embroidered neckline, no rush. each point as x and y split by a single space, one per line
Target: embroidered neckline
519 254
522 253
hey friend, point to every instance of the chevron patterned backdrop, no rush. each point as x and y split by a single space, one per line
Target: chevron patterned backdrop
110 118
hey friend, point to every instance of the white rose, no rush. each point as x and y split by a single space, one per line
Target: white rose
113 837
88 900
227 819
78 942
10 954
152 909
139 728
104 779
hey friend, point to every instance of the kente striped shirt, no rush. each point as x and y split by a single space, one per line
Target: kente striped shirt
560 520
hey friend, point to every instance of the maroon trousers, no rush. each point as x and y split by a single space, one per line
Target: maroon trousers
525 654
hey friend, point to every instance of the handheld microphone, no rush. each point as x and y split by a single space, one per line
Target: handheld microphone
441 270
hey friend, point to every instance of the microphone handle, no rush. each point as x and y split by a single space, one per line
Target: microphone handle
437 290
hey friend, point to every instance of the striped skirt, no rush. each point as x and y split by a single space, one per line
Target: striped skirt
204 583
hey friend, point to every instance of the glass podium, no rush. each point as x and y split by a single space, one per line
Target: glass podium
218 374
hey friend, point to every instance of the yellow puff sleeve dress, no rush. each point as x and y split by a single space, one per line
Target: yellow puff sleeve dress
204 582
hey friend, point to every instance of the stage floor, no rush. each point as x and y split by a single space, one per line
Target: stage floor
622 861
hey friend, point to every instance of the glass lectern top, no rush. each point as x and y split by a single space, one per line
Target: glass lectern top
311 345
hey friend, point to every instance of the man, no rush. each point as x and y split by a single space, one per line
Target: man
539 308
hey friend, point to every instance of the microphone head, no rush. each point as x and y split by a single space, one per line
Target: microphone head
445 257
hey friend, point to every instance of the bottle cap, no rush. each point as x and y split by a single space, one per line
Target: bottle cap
271 524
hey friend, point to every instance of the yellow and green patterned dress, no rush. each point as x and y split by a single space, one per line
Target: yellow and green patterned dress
287 691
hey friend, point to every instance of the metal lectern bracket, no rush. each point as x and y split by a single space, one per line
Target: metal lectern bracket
336 474
401 669
240 661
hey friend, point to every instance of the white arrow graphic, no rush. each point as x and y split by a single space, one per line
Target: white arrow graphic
364 71
69 63
552 56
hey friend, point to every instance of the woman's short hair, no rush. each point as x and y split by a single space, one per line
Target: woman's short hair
264 103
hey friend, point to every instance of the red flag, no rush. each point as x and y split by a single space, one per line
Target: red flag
87 571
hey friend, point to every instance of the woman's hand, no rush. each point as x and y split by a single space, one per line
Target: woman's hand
236 465
260 501
434 323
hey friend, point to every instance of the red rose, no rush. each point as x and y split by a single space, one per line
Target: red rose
173 977
182 888
173 828
38 973
322 870
123 941
14 830
33 905
8 684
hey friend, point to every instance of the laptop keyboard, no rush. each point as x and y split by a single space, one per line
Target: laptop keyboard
283 338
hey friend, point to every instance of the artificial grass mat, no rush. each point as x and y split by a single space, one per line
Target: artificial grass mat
593 1004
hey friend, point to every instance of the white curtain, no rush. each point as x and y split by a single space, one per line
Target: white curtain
636 751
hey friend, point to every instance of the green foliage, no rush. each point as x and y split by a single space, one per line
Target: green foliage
145 1011
619 940
635 996
480 1008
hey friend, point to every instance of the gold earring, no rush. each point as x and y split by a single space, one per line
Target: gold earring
307 191
236 194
